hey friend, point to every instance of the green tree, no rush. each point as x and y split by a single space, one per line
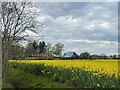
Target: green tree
42 46
35 46
57 48
49 47
103 56
17 52
85 55
30 50
114 56
94 56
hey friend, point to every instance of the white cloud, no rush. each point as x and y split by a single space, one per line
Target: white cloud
30 33
90 26
86 26
104 25
91 41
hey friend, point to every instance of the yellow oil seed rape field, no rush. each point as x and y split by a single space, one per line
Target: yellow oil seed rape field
108 67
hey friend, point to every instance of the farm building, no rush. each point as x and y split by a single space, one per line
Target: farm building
46 55
42 55
70 55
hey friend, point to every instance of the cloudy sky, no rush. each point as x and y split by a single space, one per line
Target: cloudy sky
81 26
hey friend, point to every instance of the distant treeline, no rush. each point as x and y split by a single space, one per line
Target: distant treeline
34 47
86 55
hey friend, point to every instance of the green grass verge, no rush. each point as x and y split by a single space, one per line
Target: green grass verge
21 79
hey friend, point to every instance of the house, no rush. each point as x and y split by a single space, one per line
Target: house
70 55
42 55
46 55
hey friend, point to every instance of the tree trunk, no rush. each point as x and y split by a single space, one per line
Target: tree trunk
5 58
1 60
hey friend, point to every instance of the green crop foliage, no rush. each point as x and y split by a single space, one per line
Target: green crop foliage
74 77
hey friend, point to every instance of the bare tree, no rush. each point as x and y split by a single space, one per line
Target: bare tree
58 48
15 19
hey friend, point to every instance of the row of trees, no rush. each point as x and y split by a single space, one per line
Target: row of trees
86 55
34 48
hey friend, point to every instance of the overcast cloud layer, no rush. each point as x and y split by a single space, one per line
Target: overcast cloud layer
81 26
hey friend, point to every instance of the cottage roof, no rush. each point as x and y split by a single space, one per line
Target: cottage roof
69 54
45 54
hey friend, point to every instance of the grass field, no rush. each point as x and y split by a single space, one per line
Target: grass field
21 79
77 73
